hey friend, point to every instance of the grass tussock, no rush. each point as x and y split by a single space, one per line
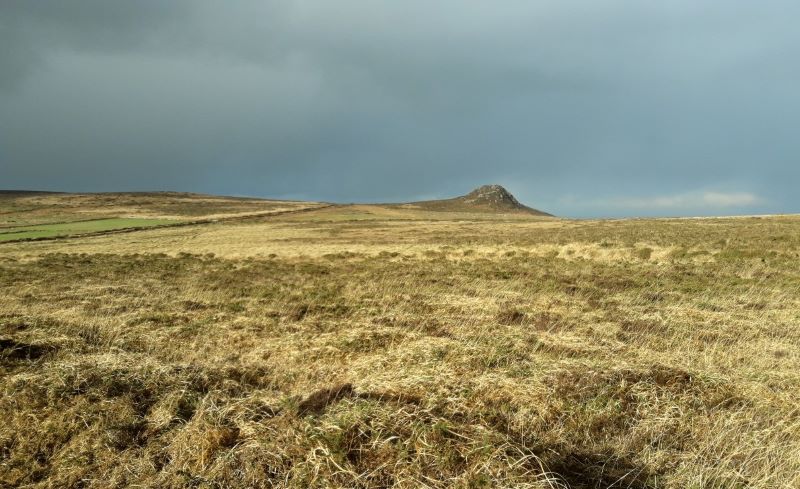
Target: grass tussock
377 352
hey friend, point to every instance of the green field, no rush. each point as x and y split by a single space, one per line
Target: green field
78 227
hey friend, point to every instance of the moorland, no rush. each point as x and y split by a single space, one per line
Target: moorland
290 344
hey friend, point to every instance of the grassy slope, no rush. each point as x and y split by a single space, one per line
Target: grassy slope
355 349
24 209
34 215
77 227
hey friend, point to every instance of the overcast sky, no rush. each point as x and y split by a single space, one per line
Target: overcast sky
579 108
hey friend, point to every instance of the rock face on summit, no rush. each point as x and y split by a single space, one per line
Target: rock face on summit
493 196
487 198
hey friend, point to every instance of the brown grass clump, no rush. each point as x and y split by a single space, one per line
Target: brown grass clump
378 347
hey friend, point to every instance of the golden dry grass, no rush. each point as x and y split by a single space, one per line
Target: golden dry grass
373 347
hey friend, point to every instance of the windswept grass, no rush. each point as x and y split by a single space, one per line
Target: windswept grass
372 352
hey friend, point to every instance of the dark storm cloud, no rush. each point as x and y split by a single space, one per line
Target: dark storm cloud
580 108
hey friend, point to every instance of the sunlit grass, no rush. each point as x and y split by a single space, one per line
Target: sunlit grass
320 350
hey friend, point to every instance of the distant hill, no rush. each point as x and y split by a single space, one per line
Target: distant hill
487 198
41 206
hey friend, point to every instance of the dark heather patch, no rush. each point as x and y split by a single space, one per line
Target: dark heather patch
17 351
586 470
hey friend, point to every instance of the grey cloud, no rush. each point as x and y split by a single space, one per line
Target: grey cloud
378 101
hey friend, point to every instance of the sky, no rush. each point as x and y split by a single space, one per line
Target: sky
586 108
